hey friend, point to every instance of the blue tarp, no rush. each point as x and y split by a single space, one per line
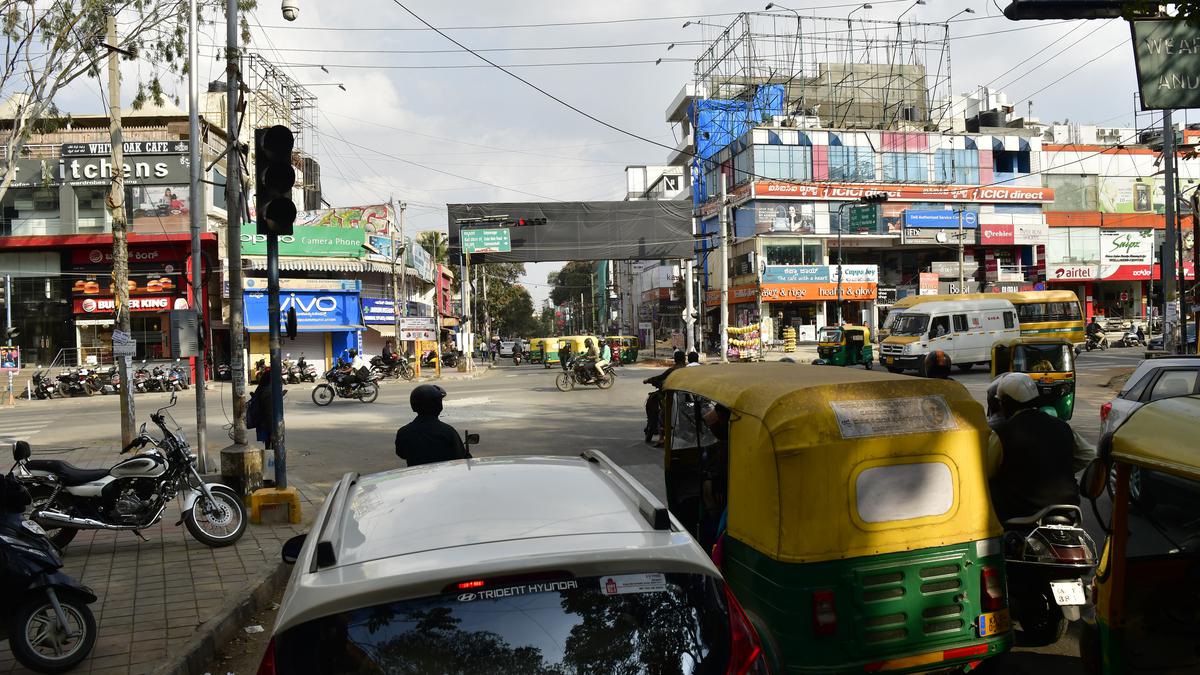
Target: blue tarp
719 122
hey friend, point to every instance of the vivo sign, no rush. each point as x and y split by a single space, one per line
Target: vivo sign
316 310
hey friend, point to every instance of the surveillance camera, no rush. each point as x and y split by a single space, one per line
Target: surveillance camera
290 10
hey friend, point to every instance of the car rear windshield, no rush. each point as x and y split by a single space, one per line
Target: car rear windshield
656 623
1043 359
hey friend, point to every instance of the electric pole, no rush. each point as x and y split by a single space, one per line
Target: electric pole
116 204
723 221
1170 302
195 214
393 254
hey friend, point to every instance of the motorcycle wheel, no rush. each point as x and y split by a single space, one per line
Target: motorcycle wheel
368 392
227 515
1103 345
323 394
63 390
606 382
39 497
407 372
37 640
564 382
1042 621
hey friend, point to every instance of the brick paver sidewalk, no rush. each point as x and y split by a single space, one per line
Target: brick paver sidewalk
155 595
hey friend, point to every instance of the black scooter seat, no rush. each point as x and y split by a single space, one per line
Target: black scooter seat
69 474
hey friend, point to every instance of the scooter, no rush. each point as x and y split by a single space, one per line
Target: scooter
308 373
1132 338
44 613
518 357
1048 557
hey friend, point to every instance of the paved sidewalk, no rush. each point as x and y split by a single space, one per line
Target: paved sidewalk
156 595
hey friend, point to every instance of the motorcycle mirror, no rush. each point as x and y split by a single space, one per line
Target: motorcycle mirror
21 451
1094 480
291 549
472 439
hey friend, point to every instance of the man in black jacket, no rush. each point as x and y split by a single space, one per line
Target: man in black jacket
427 439
654 399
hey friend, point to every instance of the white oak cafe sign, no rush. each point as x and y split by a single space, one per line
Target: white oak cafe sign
1167 56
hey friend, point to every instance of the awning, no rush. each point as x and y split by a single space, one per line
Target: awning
300 264
332 328
384 329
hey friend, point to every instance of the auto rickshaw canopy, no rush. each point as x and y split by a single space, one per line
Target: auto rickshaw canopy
1161 436
840 335
830 463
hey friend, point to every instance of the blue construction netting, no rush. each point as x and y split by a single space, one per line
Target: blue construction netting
719 122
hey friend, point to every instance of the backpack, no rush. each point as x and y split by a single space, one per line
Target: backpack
252 411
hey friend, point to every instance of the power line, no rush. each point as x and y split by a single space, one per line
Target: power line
1073 72
556 48
1052 57
473 66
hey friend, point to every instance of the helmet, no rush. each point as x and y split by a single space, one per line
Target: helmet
427 399
353 353
937 365
1017 386
588 342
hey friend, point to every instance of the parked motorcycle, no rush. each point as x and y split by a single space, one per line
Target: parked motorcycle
341 382
449 359
108 380
580 373
1048 556
142 379
1096 341
42 387
179 375
133 494
308 372
44 613
401 368
74 383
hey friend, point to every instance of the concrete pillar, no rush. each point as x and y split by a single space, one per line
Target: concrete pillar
242 468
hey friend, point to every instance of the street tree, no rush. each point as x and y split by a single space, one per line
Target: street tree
436 245
509 304
52 43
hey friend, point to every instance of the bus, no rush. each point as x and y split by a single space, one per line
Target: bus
1041 313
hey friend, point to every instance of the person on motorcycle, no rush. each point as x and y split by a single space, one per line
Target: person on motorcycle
1094 330
585 364
390 355
1032 455
564 354
654 400
359 371
427 439
603 361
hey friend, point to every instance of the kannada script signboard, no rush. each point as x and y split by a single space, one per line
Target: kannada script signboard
1167 56
486 241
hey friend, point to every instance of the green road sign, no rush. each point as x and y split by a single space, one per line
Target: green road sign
1167 55
864 219
485 241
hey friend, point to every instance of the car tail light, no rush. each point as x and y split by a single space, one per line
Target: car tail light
746 654
991 590
267 666
824 613
1104 411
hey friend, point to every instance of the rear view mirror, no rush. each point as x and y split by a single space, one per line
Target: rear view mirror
291 549
472 439
1094 480
21 451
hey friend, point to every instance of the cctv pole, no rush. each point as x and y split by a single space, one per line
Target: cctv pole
116 203
234 210
1170 302
194 214
723 222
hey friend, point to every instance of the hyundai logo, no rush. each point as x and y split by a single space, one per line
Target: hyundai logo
466 597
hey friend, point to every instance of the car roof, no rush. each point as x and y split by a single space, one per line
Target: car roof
1157 363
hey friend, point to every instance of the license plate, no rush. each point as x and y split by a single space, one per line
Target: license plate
994 623
1068 592
888 359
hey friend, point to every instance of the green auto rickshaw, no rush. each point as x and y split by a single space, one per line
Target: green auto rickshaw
1050 361
845 346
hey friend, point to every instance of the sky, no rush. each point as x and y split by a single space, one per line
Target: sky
428 124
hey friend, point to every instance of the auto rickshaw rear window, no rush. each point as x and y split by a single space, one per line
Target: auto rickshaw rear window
901 492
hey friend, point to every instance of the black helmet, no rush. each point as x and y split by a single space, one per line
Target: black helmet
353 353
937 365
427 399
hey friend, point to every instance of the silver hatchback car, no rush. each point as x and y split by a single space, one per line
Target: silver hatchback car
505 565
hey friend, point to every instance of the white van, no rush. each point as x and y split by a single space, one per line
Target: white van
964 329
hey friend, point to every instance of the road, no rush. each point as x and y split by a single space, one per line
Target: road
516 410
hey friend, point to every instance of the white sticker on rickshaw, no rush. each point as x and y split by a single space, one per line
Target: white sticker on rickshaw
893 416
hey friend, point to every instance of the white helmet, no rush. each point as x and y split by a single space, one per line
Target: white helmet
1017 386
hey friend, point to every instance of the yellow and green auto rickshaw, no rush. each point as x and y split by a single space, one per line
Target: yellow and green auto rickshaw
1050 361
625 345
845 346
578 344
537 350
847 510
1147 586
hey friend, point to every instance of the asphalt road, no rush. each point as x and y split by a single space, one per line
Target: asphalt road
516 410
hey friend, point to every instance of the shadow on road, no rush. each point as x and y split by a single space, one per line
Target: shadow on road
1028 663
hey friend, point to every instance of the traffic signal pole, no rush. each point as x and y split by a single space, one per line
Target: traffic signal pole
273 318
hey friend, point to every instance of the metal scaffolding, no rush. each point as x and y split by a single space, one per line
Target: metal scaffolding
846 73
275 98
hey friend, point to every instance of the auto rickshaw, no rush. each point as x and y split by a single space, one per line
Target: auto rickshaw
578 345
1147 587
845 346
626 346
537 350
1049 361
847 510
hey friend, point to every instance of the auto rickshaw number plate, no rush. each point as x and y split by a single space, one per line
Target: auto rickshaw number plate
994 623
1068 592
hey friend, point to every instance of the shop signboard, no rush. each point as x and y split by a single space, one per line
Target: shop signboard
260 284
930 235
419 259
1004 194
316 310
308 241
949 268
101 149
940 219
886 295
997 235
485 240
418 328
859 292
169 169
795 274
381 244
139 284
855 273
1128 272
1072 272
1127 247
138 254
779 216
1030 234
1166 54
145 303
927 283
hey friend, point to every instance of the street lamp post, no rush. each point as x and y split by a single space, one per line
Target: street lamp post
910 8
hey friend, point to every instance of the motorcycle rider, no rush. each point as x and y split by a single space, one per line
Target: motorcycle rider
1094 330
586 364
427 439
390 356
1032 455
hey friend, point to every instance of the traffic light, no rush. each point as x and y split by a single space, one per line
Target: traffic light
274 179
1019 10
530 221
